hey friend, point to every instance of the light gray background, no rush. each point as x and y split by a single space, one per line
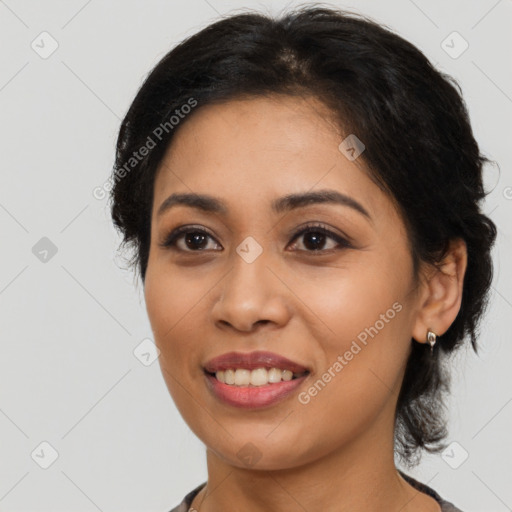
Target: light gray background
69 325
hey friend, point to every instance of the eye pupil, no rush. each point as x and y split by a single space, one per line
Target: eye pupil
317 240
195 239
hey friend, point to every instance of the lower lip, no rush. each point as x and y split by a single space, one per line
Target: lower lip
250 397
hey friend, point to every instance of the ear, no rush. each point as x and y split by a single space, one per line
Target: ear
441 294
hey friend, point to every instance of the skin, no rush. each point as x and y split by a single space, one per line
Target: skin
335 452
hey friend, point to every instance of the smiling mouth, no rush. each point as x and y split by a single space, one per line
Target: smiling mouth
241 377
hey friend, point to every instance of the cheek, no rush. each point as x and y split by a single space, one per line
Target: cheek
365 351
351 297
169 296
173 302
361 371
173 305
361 313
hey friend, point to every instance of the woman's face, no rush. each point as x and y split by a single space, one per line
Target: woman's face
342 304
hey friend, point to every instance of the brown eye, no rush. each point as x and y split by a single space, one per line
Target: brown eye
316 237
194 239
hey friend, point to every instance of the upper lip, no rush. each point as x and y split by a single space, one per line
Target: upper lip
251 361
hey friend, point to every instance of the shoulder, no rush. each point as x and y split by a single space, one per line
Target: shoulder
187 500
446 506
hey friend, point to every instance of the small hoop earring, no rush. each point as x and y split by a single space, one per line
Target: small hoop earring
431 338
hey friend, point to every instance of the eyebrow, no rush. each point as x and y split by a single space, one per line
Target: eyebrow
286 203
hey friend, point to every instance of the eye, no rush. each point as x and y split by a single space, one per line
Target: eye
194 239
316 236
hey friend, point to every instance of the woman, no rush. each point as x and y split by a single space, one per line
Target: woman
303 195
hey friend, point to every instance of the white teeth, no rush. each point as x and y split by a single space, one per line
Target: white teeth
274 375
287 375
242 377
257 377
229 377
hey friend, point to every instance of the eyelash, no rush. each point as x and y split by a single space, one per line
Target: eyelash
171 239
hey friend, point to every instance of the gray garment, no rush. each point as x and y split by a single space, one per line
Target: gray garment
446 506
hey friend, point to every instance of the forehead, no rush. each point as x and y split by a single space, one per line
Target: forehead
253 150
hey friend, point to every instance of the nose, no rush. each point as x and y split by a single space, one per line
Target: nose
250 295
